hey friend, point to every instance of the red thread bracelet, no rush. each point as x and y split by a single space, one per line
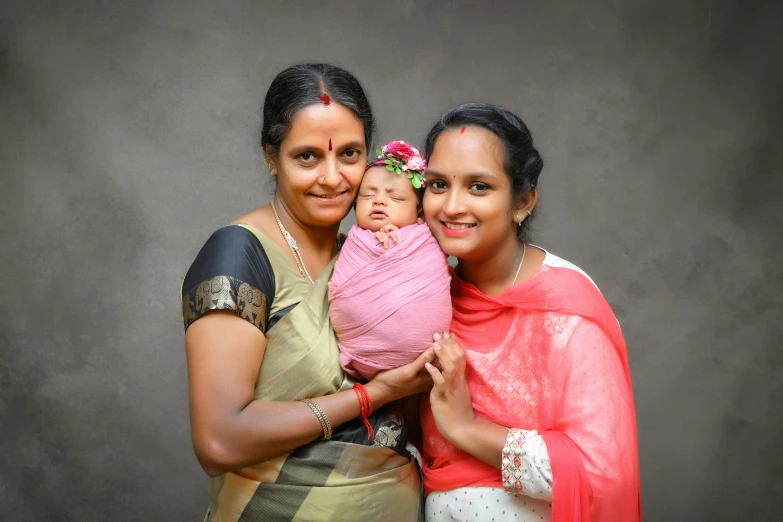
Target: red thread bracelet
366 406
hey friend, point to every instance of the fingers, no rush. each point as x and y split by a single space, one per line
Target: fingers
382 237
427 356
419 366
437 377
450 354
446 362
425 381
450 343
390 234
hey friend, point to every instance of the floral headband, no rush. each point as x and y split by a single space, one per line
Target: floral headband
400 157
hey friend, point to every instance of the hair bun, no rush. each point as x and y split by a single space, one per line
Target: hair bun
532 159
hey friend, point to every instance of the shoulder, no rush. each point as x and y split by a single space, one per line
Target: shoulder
553 261
231 250
231 271
575 294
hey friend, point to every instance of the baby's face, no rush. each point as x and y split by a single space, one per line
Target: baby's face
386 198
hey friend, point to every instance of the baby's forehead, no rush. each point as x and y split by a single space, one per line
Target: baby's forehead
378 176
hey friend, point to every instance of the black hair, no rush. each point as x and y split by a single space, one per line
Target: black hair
521 160
305 84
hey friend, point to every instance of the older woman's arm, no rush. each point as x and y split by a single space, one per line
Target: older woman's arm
230 429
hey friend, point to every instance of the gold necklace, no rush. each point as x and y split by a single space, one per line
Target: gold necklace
524 249
292 245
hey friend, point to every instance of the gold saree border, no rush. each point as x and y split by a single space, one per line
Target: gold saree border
225 293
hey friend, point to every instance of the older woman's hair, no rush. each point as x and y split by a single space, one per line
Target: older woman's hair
306 84
521 161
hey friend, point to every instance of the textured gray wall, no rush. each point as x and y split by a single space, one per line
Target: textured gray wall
128 134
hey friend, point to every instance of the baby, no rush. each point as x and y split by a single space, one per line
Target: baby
390 290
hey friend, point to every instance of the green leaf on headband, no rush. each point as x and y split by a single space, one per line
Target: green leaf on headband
397 169
378 152
416 182
410 176
387 161
389 168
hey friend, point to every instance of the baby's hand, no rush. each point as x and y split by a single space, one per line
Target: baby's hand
386 233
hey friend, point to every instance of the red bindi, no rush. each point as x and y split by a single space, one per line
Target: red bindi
462 130
330 143
326 99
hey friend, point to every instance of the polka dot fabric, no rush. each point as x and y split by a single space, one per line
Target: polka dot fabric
485 504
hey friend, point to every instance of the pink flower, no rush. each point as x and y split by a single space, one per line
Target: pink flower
416 163
400 149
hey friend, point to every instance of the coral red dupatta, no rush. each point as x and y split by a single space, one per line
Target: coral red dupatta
576 392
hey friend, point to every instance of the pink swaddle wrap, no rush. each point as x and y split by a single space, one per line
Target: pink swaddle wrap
385 304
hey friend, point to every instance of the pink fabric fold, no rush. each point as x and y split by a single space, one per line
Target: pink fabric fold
385 304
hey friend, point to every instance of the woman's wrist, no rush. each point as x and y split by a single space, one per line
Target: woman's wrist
460 434
379 393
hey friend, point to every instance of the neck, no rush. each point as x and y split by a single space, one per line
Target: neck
318 240
493 274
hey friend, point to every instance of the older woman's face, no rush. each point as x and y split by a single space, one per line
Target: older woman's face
320 164
468 199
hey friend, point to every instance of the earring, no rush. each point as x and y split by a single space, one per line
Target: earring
528 213
323 179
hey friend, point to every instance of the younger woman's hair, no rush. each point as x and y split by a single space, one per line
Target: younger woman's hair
521 160
306 84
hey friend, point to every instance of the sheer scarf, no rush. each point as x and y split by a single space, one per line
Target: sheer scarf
547 354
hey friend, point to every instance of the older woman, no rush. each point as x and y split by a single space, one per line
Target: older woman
531 417
276 423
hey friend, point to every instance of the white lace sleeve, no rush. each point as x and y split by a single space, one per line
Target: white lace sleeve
525 465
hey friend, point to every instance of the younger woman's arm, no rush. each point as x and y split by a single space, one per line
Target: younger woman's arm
485 440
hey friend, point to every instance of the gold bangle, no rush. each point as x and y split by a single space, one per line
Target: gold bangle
322 418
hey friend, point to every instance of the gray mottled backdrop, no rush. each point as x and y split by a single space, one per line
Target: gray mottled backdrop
128 134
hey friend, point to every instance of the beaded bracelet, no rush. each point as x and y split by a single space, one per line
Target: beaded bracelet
511 462
322 418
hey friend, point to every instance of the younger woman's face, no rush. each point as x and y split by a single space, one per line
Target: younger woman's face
468 201
320 164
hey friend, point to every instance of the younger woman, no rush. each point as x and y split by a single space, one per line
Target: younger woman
531 417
